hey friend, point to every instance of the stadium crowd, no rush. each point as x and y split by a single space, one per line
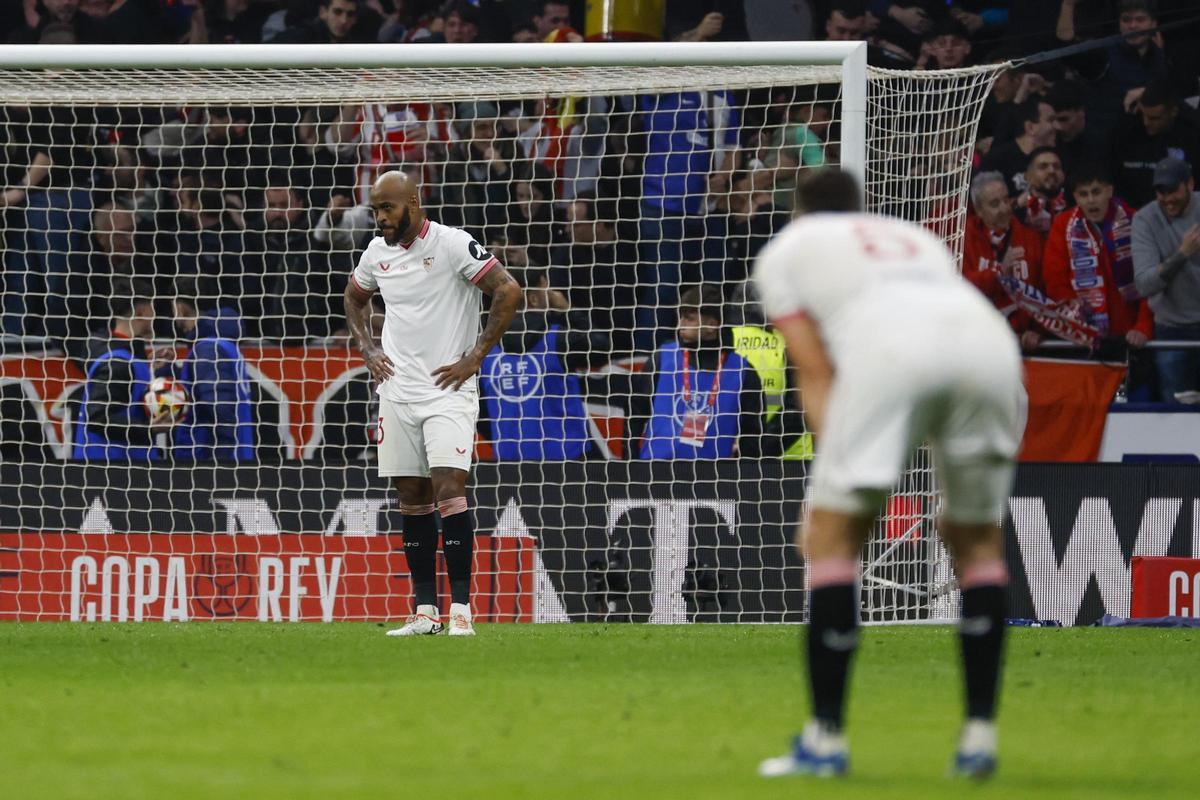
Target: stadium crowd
631 222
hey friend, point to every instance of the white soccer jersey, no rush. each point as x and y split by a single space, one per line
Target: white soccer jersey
432 305
861 276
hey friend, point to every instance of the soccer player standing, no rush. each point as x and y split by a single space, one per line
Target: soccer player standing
893 348
432 278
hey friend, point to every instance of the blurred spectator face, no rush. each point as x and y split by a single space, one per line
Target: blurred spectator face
1134 21
141 325
950 51
553 17
1042 131
62 10
1069 123
583 228
235 7
994 206
1174 202
1006 86
221 128
185 316
281 208
458 30
845 29
695 327
525 35
1093 198
1158 119
186 194
339 17
113 230
1045 174
527 198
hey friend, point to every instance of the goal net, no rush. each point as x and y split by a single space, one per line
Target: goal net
178 230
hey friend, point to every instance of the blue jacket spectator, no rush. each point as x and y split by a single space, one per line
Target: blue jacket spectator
690 137
534 396
220 420
698 398
112 423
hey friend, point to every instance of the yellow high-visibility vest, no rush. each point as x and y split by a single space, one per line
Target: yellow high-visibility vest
766 352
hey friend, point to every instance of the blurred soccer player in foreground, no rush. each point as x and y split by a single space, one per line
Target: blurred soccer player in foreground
893 348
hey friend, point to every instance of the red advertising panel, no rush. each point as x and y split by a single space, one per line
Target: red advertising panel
1165 587
284 578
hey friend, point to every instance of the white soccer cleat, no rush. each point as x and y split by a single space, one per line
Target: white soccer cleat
976 754
816 751
460 620
423 623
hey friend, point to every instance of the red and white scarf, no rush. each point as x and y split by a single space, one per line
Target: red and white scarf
1084 240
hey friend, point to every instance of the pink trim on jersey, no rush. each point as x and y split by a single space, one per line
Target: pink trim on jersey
486 269
420 234
359 286
832 572
992 572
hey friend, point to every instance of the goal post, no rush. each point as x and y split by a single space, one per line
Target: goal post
609 177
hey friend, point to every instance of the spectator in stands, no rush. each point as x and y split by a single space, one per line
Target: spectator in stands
551 17
1156 132
459 24
1044 196
525 33
220 420
211 244
595 268
801 141
690 139
345 228
112 423
1001 255
740 224
1000 121
1120 73
227 22
946 45
1011 158
336 23
697 398
48 245
531 218
1076 141
754 339
847 21
300 276
478 171
1088 258
534 397
84 28
904 23
1166 260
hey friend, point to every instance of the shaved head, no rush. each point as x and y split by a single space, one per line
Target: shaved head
394 185
396 203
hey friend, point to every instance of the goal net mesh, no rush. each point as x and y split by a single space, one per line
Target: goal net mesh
200 225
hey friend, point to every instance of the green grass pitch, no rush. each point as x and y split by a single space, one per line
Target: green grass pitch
574 711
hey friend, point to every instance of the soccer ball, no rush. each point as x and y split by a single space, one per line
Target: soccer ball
167 395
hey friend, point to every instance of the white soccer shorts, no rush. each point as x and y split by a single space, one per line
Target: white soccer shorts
413 437
967 401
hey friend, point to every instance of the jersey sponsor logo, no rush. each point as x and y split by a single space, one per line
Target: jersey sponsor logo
477 252
427 263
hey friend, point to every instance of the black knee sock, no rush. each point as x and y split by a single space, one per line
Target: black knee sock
832 638
420 548
458 543
981 634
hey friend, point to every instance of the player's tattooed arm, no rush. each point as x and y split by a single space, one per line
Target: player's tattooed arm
358 316
507 298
